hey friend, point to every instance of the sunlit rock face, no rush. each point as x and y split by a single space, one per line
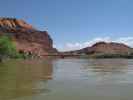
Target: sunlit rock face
12 23
26 37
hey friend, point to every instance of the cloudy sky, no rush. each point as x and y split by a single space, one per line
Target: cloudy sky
79 45
74 24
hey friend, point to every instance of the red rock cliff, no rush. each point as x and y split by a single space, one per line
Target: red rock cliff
26 37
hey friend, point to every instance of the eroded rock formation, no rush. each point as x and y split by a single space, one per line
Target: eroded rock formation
26 37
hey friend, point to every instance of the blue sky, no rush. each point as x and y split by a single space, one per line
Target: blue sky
72 23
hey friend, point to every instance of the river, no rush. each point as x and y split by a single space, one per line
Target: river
67 79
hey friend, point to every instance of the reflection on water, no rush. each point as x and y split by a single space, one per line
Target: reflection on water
67 79
107 66
108 70
22 78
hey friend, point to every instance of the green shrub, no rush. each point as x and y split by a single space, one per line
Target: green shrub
7 48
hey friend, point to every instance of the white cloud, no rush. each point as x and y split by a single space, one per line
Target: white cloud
126 40
75 46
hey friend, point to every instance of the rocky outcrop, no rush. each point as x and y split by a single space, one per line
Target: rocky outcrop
26 37
14 24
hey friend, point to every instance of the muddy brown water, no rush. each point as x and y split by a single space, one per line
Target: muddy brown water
67 79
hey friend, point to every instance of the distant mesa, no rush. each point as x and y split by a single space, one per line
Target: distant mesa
104 49
111 48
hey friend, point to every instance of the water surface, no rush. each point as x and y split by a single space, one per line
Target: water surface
67 79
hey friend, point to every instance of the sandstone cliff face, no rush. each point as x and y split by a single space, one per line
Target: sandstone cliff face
26 37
